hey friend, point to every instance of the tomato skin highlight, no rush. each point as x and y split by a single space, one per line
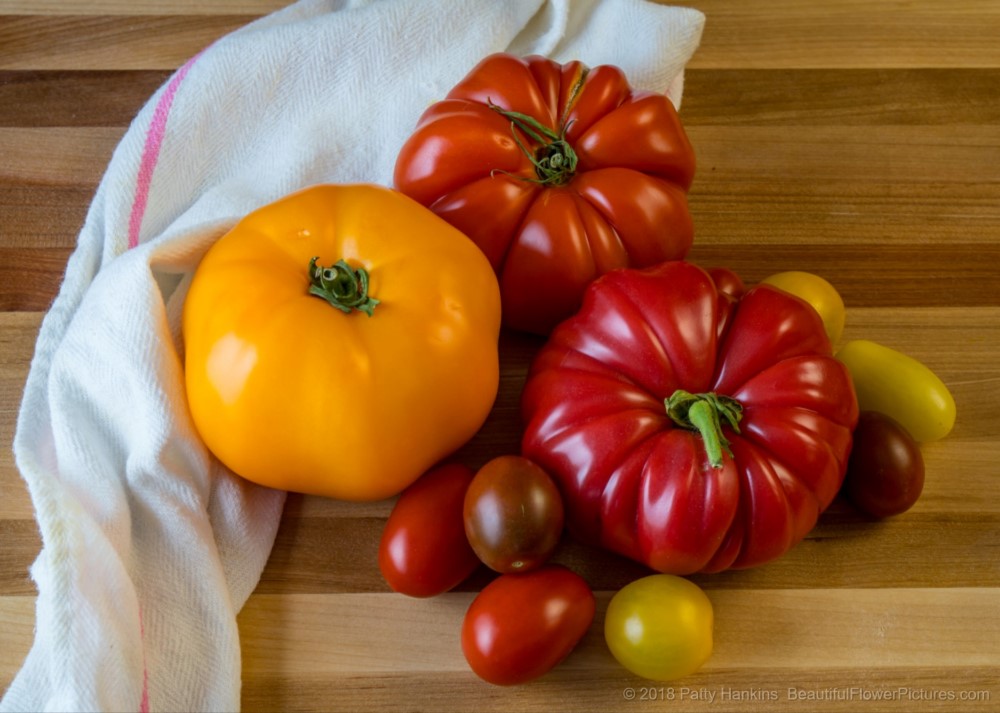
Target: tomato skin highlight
513 514
521 626
423 551
660 627
896 384
885 473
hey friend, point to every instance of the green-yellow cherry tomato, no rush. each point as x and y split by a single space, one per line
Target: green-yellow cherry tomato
823 297
660 627
900 387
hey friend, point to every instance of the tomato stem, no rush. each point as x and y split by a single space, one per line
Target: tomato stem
342 286
704 413
554 160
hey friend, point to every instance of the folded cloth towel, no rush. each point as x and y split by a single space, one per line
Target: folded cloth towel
150 547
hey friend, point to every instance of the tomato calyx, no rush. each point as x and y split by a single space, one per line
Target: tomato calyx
342 286
704 413
554 160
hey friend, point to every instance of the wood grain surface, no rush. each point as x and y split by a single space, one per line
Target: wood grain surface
857 139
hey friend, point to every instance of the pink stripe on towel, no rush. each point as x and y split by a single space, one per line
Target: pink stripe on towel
150 155
151 152
144 701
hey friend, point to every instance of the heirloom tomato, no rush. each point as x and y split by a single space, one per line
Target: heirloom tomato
558 172
688 429
340 342
513 514
522 625
901 387
660 627
423 551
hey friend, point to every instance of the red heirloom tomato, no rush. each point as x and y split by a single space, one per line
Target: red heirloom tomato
423 551
688 429
558 172
522 625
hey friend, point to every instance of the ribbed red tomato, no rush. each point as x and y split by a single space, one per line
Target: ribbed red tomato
558 172
687 428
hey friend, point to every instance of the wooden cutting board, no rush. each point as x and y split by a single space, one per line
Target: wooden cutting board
857 140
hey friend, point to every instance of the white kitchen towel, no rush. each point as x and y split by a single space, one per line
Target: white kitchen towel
150 548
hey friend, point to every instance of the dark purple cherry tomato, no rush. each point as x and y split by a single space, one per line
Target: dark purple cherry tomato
424 551
522 625
885 473
513 514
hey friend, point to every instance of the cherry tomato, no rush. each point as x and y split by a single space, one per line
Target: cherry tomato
522 625
885 473
423 551
513 514
901 387
660 627
819 293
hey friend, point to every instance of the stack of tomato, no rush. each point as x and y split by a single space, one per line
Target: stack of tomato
343 342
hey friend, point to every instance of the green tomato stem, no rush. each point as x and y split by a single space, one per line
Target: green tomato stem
554 160
342 286
704 413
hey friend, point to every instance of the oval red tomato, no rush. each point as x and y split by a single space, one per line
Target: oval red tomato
522 625
423 551
885 473
513 514
559 173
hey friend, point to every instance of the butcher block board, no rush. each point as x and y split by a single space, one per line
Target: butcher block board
856 139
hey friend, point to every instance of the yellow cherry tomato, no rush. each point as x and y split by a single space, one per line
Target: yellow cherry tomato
660 627
899 386
823 297
349 375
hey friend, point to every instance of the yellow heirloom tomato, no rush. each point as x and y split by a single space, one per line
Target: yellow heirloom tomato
340 342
